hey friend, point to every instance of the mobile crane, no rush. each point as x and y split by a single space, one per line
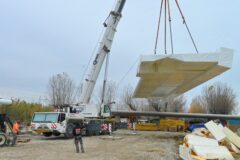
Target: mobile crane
63 121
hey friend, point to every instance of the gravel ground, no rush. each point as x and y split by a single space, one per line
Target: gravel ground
142 146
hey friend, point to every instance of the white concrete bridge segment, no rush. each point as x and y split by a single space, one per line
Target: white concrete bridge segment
164 75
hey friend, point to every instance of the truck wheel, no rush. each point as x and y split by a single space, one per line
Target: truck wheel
69 130
47 134
56 134
3 139
89 133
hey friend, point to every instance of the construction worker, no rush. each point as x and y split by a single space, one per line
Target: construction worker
16 131
77 133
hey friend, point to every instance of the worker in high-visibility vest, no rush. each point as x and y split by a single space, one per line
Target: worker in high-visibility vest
77 133
16 131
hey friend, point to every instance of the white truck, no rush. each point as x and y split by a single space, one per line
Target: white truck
62 121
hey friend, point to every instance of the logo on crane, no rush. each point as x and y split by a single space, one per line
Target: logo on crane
95 60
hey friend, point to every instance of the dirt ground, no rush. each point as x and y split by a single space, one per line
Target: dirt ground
142 146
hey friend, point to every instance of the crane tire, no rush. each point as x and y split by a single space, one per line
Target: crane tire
69 130
48 134
56 134
3 139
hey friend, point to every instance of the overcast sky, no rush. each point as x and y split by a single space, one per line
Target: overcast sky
40 38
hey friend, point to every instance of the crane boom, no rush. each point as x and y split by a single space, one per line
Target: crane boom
103 50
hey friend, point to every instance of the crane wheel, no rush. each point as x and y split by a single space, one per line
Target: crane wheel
3 139
56 134
47 134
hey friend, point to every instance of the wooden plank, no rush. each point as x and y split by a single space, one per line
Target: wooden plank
193 140
184 152
215 130
231 147
197 157
203 132
23 140
220 126
213 152
234 148
232 137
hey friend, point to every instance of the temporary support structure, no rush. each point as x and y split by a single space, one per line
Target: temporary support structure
165 75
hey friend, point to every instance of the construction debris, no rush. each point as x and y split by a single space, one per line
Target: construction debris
203 132
213 152
193 140
232 136
23 140
212 142
215 130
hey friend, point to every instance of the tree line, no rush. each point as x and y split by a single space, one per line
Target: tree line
219 98
23 111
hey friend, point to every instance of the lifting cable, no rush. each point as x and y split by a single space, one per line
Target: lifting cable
158 28
125 75
165 28
170 25
167 8
184 22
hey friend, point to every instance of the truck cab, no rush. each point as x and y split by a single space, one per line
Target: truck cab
49 123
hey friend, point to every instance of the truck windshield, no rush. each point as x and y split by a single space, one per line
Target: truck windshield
45 117
51 117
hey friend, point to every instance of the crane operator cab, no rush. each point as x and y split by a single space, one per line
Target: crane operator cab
105 111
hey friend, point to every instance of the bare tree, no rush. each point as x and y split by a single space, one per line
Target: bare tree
219 99
176 104
140 104
196 106
127 97
156 104
61 89
110 93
